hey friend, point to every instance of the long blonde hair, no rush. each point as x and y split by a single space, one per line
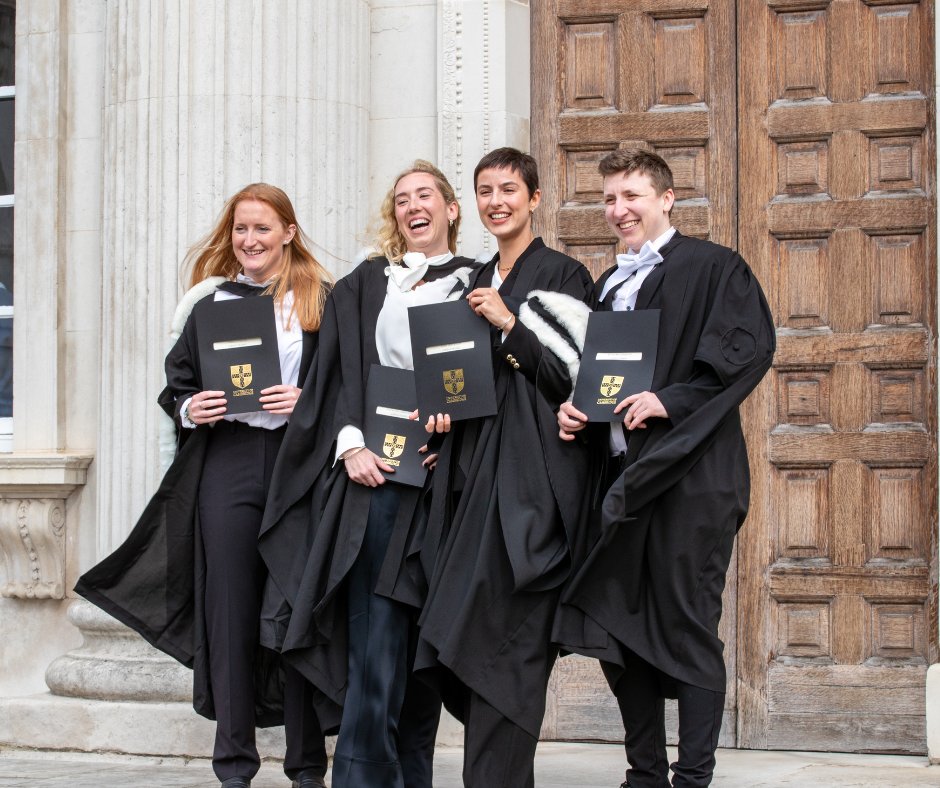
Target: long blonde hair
390 241
300 272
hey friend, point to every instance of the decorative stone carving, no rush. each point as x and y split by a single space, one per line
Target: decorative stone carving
115 663
32 540
450 93
32 521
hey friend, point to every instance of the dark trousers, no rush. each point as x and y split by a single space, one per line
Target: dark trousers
232 492
389 723
641 702
497 752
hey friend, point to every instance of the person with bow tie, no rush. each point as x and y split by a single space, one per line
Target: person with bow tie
190 578
646 596
353 623
508 501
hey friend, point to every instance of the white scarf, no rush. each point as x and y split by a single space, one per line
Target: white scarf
412 268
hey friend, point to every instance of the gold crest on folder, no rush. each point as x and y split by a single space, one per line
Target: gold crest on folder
241 375
611 384
393 445
453 380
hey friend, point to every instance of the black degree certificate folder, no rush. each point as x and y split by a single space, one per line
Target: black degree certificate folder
453 360
238 349
618 360
389 433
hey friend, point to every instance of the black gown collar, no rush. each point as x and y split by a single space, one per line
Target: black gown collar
242 289
490 268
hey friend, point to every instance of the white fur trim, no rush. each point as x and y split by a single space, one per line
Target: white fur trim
188 301
166 432
364 254
571 314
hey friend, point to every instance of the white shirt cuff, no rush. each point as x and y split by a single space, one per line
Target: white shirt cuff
349 437
187 423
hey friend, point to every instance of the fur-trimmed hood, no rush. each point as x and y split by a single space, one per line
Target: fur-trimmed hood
560 323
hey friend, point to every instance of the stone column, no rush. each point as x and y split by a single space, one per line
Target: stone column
200 99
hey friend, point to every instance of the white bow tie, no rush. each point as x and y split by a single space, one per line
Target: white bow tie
630 264
412 268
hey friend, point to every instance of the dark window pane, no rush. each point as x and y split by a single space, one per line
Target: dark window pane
6 252
7 38
6 367
6 146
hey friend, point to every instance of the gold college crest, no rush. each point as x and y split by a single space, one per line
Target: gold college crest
393 445
241 375
453 380
611 384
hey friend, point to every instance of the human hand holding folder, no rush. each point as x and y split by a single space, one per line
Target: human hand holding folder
453 361
395 439
617 365
238 353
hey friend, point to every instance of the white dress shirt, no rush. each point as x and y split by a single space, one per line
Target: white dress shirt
625 300
392 334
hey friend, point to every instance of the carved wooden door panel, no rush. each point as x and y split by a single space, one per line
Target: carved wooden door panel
801 132
622 73
837 577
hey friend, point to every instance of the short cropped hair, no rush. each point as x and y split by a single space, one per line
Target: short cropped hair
630 160
513 160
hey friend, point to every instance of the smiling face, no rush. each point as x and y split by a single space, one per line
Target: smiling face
422 214
633 209
504 203
258 239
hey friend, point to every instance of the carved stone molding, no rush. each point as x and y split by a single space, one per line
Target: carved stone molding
450 92
33 490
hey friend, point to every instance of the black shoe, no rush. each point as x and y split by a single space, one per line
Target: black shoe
308 779
237 782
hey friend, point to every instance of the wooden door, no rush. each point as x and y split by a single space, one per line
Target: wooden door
837 563
609 74
802 133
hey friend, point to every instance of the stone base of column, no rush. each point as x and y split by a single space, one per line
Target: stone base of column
50 722
117 694
933 713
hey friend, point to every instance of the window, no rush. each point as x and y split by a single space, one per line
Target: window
7 100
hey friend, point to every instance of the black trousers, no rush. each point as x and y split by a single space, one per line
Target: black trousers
497 752
641 701
389 724
232 493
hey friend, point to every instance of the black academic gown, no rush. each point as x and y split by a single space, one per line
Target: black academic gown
315 518
652 580
508 502
155 581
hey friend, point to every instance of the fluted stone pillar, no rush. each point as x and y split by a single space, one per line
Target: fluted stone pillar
201 99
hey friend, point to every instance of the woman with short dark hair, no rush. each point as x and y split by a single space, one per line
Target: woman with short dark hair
508 499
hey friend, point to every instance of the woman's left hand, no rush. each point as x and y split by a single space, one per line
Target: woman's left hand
280 399
486 302
430 461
